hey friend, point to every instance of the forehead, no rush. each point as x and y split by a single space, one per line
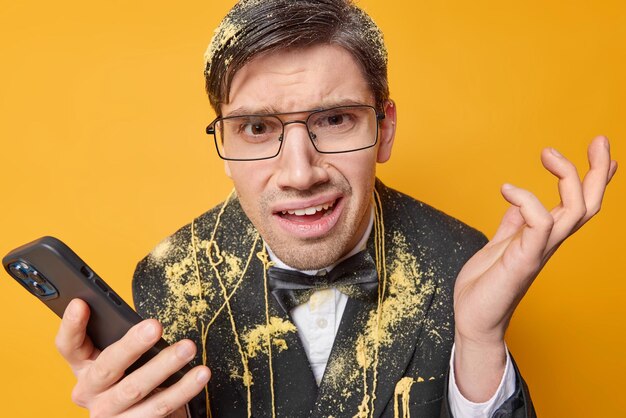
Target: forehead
298 79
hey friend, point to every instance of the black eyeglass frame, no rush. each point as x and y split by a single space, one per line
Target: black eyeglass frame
210 129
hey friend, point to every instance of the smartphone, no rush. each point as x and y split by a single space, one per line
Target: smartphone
54 274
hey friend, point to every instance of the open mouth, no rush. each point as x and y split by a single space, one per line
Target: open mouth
308 214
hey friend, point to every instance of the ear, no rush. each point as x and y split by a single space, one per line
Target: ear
386 132
227 169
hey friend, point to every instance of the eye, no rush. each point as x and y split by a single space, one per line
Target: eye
335 119
254 129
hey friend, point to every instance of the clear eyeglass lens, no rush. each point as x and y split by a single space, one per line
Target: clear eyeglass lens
343 129
335 130
249 137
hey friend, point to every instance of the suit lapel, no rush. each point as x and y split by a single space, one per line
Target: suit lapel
281 375
359 380
295 388
342 387
375 343
395 356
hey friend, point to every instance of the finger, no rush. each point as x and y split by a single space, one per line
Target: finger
612 171
144 380
572 208
176 396
538 222
72 340
596 179
510 224
111 364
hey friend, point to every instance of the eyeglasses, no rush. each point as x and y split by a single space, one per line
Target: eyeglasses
331 131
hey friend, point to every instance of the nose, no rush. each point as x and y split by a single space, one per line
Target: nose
300 165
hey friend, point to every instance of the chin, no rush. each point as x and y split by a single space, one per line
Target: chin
311 256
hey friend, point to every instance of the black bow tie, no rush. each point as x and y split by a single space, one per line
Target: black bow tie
355 276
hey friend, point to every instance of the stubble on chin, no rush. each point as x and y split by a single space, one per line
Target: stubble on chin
310 254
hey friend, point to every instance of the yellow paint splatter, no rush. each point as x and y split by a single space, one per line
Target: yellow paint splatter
402 390
224 34
162 249
265 259
405 289
402 291
184 305
255 339
339 370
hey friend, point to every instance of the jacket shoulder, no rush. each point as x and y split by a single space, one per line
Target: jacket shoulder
429 225
165 284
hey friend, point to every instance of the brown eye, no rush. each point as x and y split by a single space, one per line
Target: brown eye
255 129
335 120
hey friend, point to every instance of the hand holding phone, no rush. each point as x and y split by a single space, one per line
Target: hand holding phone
98 388
103 339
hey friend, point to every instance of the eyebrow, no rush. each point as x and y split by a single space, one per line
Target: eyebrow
270 110
243 110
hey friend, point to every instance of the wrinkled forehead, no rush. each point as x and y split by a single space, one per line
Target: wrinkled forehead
315 77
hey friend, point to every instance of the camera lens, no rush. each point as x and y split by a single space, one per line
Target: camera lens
37 288
36 277
19 270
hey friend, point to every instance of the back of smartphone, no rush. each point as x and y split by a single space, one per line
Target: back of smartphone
52 272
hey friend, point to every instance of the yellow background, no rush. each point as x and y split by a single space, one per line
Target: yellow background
102 113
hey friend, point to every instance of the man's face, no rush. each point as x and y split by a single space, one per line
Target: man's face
335 188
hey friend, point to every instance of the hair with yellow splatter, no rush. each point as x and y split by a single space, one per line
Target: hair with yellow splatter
254 27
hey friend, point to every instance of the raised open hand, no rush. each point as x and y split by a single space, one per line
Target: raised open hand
494 280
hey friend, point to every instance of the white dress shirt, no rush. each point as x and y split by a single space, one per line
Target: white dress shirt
318 320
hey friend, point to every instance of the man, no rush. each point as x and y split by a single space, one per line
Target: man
304 116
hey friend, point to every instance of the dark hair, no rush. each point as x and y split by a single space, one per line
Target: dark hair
253 27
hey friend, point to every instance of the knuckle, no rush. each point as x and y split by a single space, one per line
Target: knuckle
78 396
545 222
129 391
581 211
163 408
99 412
63 345
100 372
593 210
59 343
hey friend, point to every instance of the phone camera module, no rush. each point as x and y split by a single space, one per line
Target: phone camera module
33 280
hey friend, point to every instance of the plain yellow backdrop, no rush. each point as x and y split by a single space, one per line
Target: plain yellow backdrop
102 113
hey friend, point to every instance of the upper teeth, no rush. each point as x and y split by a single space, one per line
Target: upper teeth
310 210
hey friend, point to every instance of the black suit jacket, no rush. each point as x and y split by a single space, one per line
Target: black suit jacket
390 358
